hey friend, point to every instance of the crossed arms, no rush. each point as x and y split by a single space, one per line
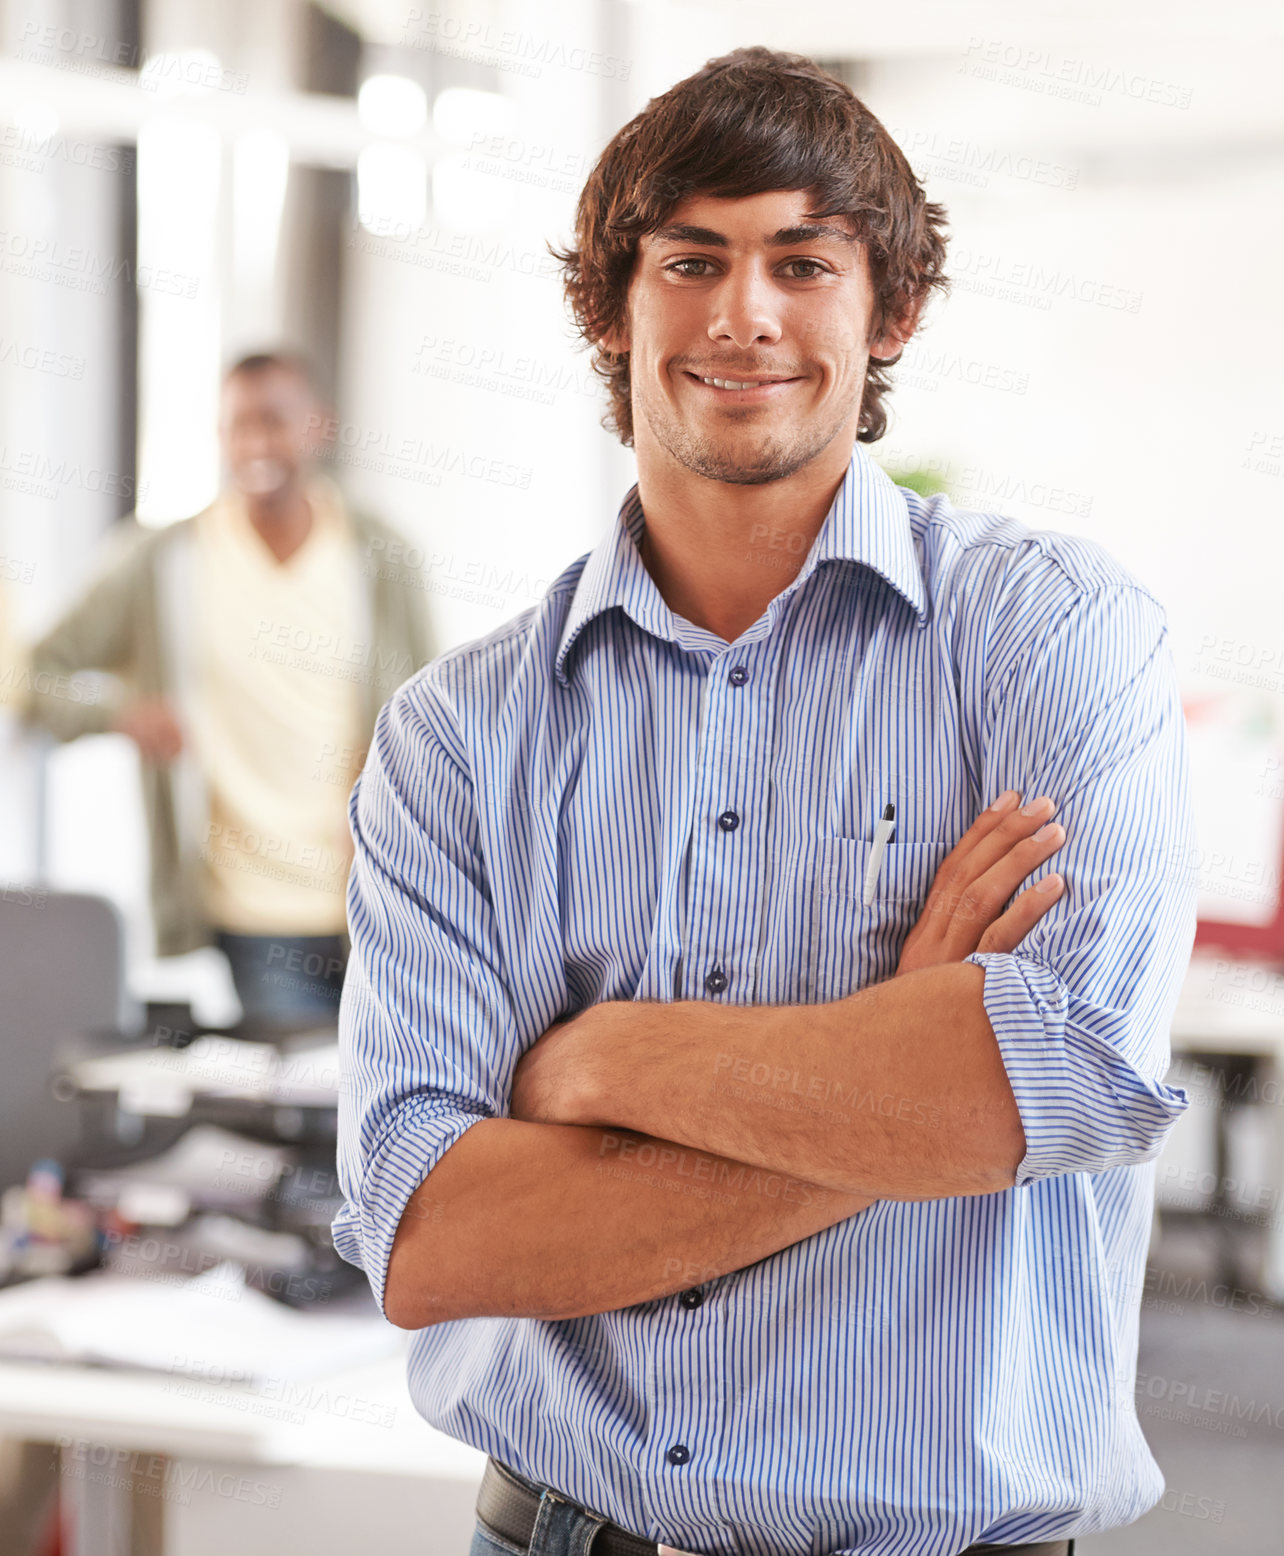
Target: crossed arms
614 1161
563 1219
898 1091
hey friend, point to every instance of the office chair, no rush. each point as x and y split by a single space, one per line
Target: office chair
62 993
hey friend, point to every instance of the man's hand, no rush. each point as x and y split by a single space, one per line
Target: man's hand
151 725
987 864
543 1082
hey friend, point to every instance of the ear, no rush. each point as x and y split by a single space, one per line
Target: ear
615 341
895 335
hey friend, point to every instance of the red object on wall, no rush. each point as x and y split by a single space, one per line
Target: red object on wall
51 1542
1256 942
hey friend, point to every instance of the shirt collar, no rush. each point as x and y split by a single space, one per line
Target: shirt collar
867 523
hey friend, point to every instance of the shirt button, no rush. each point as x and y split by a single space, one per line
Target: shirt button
728 821
738 676
692 1298
678 1454
715 981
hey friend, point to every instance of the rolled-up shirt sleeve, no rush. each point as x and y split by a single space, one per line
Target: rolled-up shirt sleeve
426 1024
1081 1009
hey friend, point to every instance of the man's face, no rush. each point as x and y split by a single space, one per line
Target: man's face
741 290
265 430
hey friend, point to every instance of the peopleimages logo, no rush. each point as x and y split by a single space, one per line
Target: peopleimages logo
1176 1398
1000 275
966 161
1062 75
506 48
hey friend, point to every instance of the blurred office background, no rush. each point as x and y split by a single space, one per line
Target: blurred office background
183 181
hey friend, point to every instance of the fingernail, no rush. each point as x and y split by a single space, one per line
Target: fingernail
1050 883
1035 806
1047 832
1004 801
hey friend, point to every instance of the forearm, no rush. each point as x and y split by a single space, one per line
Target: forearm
69 693
65 696
68 706
556 1221
898 1091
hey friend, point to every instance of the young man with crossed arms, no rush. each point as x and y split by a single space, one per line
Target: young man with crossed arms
741 1210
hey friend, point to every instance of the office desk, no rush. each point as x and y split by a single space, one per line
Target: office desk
334 1464
245 1469
1228 1052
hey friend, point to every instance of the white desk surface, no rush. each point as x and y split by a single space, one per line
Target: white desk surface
341 1422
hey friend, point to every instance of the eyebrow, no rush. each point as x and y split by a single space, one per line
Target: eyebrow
786 237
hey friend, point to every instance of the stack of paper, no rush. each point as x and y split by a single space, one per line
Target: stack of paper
211 1326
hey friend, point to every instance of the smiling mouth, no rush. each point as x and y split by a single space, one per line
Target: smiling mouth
742 386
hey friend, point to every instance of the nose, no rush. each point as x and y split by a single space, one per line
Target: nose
744 309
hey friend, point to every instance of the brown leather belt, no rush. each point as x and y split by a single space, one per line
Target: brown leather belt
508 1506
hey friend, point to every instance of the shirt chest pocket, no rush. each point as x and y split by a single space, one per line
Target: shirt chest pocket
846 944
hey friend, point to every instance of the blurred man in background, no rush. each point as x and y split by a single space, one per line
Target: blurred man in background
251 647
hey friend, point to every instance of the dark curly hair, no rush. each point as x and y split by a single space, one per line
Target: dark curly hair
750 122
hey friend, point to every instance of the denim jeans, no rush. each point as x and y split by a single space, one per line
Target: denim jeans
285 981
567 1533
561 1529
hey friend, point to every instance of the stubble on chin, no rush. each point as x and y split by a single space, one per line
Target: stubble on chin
741 458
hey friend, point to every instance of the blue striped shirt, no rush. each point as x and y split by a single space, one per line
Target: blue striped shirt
536 831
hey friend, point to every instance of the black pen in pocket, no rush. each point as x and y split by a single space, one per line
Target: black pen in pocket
882 837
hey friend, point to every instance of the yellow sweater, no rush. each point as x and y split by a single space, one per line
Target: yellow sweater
275 717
